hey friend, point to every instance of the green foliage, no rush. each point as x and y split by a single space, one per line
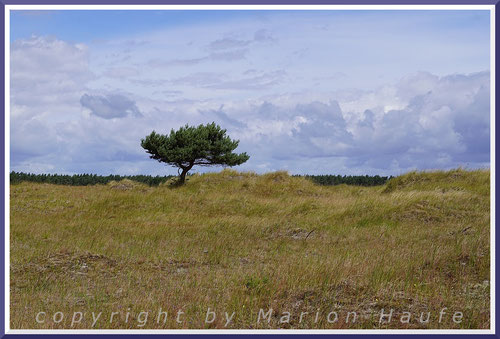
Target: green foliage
84 179
93 179
205 145
357 180
256 283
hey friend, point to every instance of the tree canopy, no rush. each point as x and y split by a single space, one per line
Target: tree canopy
204 145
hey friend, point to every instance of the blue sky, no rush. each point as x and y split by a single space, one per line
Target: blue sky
347 92
89 25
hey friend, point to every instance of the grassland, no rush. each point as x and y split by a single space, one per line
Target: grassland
240 242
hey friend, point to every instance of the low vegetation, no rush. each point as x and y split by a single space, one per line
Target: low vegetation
358 180
84 179
241 242
93 179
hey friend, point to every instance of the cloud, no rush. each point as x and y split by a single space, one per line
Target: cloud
149 82
261 35
222 118
160 63
47 78
169 93
225 49
45 70
443 124
200 79
297 96
305 131
110 106
121 72
31 139
434 130
422 121
259 80
231 55
227 43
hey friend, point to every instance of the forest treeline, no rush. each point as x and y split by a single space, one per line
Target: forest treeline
357 180
93 179
84 179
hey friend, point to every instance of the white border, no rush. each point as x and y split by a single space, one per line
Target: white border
250 7
8 8
7 169
492 168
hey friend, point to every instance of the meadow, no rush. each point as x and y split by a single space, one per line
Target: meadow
234 243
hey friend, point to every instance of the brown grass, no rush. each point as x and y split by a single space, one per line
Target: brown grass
239 242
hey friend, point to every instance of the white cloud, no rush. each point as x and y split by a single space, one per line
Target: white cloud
46 70
304 98
121 72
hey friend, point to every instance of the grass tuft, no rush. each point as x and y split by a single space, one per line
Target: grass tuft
237 242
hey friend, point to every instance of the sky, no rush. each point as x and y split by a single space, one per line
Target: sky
311 92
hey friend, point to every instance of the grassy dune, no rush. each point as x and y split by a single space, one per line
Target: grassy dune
240 242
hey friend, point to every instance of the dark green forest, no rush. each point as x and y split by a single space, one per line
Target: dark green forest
358 180
84 179
93 179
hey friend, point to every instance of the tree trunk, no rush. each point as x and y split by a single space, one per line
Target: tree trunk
182 177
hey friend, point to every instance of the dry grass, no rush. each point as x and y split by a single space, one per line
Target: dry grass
239 242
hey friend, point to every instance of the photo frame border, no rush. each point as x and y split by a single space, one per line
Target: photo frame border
8 5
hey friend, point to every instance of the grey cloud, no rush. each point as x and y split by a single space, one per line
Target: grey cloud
319 131
475 132
110 106
263 35
445 123
414 85
169 93
448 125
31 139
368 120
222 118
149 82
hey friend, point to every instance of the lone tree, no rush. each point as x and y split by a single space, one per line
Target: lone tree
205 145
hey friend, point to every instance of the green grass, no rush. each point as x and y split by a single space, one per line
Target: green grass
239 242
